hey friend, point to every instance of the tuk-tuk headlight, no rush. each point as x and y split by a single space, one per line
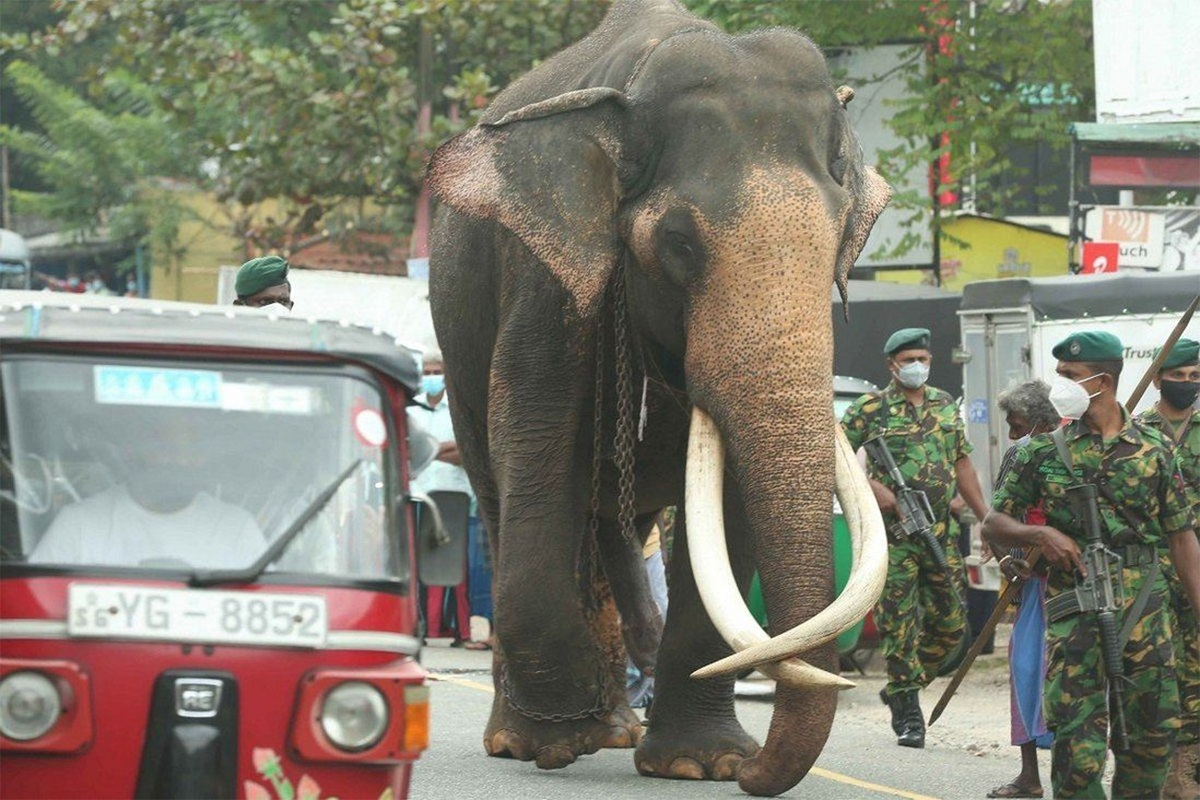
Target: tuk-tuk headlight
29 705
354 715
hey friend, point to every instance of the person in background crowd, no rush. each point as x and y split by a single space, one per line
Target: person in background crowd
1142 508
262 282
639 687
94 284
1028 412
921 618
1178 419
72 283
444 474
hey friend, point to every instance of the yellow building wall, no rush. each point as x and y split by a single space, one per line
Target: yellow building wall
990 249
188 271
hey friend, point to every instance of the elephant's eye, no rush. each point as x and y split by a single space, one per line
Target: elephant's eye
679 244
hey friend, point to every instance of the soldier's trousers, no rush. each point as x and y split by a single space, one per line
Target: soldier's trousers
1077 704
922 622
1186 638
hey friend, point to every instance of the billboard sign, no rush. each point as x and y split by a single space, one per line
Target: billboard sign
1163 239
1100 257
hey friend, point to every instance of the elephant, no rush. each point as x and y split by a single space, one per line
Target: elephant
629 279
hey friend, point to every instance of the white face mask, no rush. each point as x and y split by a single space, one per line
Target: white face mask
913 375
1069 398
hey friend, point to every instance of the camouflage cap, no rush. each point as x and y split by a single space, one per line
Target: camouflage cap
1089 346
1185 353
260 273
907 339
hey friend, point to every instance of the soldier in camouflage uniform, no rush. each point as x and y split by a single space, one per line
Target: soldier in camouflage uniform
1143 510
1175 416
920 616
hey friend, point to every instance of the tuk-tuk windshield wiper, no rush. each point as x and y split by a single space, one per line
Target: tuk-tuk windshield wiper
276 548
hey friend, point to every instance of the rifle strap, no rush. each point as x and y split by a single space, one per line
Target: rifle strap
1138 606
1064 452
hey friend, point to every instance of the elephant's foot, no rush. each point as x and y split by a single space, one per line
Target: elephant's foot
554 745
708 753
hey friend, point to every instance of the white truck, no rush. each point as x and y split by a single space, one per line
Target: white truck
1010 326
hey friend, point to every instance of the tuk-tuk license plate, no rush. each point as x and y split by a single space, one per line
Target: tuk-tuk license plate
195 615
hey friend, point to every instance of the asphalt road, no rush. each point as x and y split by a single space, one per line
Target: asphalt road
967 752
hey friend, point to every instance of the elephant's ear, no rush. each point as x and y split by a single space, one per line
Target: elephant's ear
548 172
871 194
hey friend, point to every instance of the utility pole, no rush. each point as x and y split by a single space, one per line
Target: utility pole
4 207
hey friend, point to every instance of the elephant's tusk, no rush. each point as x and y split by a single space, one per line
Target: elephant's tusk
710 560
863 587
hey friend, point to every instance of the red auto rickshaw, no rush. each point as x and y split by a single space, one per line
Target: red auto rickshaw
208 567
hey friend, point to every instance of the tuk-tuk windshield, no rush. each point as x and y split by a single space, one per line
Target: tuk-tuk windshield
194 466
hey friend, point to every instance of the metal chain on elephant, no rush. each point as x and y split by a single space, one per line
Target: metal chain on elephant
597 710
623 441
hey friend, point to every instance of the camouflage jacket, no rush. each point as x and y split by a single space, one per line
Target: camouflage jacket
925 440
1187 449
1137 468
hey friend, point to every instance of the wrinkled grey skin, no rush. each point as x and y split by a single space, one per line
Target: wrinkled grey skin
722 173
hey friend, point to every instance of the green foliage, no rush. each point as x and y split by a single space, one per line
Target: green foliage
100 165
985 76
331 108
317 105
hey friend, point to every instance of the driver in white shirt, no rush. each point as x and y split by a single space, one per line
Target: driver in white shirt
161 515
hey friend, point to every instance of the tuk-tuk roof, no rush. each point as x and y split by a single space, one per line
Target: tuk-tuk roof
98 319
1074 296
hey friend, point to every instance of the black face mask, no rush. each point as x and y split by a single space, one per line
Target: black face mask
1180 394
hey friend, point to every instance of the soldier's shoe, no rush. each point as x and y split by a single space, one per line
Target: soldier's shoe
912 730
897 709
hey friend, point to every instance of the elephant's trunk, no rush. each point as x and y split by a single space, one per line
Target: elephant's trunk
766 312
786 482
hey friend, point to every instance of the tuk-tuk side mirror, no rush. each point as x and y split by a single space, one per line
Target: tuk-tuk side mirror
443 519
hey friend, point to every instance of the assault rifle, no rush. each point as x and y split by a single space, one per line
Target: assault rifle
916 515
1097 594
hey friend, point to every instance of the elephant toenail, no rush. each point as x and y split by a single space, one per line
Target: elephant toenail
725 767
554 756
686 768
507 744
618 737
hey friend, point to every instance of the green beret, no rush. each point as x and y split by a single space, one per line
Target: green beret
260 273
1185 353
907 339
1089 346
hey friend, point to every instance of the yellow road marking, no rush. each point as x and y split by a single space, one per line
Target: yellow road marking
818 771
875 787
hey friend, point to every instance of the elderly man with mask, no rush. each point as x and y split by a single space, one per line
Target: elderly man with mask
1143 514
921 618
263 282
1178 419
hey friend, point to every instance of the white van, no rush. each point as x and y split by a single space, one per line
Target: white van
15 262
